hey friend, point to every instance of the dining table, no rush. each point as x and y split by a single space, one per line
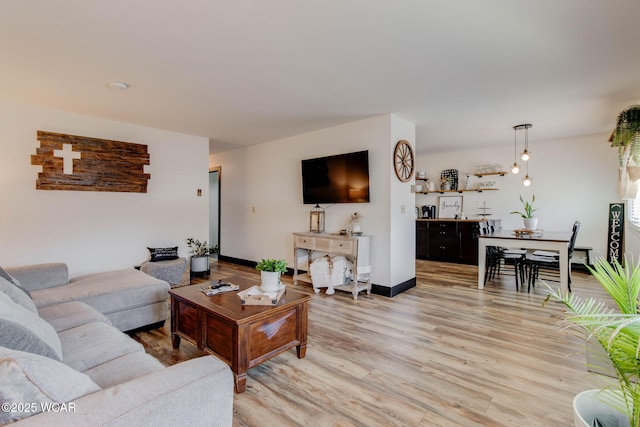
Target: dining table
557 241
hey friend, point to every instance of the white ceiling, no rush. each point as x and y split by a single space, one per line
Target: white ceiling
243 72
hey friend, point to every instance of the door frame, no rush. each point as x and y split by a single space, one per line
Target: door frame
219 170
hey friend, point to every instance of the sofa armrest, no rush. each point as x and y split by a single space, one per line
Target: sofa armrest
40 276
196 392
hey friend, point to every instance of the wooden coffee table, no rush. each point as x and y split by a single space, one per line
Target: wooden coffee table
243 336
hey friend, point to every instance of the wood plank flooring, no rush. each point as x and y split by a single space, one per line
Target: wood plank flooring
441 354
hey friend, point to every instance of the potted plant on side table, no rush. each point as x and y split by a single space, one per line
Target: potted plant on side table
530 221
200 252
618 335
270 271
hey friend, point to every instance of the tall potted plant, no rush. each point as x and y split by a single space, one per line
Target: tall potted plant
270 271
618 333
200 252
530 221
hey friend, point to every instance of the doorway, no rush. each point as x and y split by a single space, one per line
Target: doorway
214 208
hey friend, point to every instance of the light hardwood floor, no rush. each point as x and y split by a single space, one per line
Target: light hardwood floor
441 354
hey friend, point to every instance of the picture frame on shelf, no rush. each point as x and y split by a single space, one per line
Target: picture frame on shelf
449 206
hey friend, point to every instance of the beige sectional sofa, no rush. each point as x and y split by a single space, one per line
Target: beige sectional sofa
129 298
63 362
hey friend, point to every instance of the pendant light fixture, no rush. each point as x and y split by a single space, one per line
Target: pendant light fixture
525 154
526 181
515 168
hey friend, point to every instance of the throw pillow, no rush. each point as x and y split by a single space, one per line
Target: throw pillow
163 254
17 295
21 329
27 377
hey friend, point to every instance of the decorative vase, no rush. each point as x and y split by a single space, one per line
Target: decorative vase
270 281
530 223
199 264
590 404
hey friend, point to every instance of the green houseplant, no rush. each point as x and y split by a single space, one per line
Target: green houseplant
200 252
618 333
530 221
270 271
626 138
627 127
200 249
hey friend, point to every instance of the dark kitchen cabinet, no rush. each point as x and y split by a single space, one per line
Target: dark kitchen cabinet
422 239
443 240
450 240
468 233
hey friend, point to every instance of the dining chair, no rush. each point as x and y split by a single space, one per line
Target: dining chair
497 257
548 260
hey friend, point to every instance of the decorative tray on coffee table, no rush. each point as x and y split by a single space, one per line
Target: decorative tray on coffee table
256 296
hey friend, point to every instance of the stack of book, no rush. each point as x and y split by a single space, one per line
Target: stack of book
218 288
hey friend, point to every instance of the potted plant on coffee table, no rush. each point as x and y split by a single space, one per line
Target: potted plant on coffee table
200 252
617 333
270 271
530 221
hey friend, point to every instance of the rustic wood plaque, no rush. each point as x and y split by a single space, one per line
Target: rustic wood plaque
80 163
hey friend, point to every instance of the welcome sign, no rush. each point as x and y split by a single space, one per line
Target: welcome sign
615 235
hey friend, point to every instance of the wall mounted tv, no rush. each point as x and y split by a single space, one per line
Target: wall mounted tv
343 178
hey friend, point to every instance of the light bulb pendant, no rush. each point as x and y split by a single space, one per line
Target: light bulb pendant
526 181
525 155
515 168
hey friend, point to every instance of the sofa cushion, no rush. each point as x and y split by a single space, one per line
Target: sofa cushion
71 314
163 254
21 329
18 295
92 344
107 291
11 279
123 369
40 276
30 378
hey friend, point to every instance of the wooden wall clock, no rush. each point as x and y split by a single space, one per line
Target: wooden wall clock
403 160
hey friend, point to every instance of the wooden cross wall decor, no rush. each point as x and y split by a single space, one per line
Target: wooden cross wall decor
80 163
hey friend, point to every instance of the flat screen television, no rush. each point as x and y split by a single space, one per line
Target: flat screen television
343 178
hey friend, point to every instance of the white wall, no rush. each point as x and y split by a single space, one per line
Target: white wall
574 179
262 193
402 249
97 231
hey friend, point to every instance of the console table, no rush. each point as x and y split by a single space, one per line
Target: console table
357 249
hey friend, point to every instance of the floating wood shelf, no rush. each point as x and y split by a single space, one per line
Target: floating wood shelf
480 175
479 190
